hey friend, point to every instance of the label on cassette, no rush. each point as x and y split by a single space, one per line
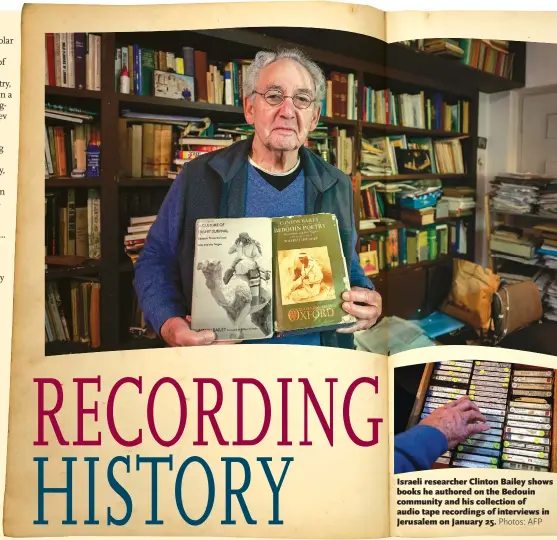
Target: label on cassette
523 467
527 446
524 459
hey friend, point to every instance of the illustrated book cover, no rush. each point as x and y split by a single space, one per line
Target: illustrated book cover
257 277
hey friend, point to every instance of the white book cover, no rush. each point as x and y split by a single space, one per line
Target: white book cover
232 283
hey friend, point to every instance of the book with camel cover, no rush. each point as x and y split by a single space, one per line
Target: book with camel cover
256 277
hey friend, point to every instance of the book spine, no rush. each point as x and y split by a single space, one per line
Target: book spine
136 88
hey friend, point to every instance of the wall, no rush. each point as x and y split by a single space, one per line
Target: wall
499 122
541 64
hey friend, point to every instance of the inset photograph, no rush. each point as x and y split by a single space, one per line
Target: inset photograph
474 414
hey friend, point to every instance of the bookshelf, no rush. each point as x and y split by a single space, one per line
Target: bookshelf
372 63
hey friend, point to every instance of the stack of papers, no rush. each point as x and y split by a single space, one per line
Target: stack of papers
514 197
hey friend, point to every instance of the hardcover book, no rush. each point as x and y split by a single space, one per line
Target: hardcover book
257 277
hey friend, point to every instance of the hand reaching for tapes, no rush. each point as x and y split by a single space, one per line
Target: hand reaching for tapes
457 420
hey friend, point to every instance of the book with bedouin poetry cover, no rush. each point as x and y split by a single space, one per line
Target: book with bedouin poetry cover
439 418
256 277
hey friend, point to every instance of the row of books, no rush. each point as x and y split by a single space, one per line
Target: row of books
73 60
184 75
72 151
489 55
73 222
399 154
72 312
341 99
189 75
413 203
334 145
396 247
156 150
145 149
383 106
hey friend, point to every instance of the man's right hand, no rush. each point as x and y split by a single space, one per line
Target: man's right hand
176 332
456 420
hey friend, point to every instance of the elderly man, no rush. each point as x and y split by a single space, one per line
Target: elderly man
271 174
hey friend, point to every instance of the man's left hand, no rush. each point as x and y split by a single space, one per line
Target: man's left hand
367 314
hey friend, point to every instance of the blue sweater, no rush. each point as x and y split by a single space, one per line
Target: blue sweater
158 282
417 448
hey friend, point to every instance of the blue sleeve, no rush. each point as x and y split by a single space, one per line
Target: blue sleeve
157 275
417 448
358 277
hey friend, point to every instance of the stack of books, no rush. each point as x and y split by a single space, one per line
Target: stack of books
192 147
137 235
512 242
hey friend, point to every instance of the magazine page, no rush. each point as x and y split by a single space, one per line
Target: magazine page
472 335
126 420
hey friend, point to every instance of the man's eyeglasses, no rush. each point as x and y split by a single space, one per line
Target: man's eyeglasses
276 97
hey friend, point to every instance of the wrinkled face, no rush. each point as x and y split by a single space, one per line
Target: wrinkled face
282 127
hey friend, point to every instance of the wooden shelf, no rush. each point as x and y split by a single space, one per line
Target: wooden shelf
409 267
334 121
381 228
404 130
68 182
400 63
501 256
91 268
518 214
420 62
72 92
202 108
402 177
155 181
401 225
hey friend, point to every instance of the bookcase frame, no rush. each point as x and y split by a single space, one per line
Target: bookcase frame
362 55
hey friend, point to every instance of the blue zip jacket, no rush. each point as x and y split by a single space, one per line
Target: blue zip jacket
214 185
418 448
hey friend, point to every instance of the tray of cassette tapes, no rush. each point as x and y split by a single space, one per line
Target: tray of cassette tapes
489 389
528 425
516 400
449 381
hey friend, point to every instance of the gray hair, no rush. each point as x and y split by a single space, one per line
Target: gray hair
264 58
